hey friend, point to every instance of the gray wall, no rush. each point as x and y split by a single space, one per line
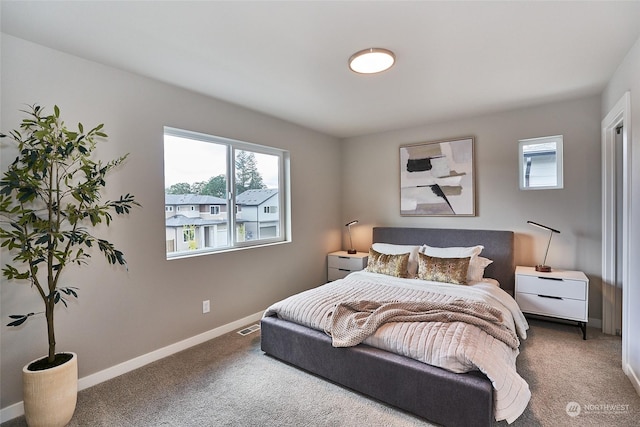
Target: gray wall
121 315
372 182
627 78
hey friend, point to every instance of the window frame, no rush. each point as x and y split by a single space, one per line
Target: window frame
522 177
284 213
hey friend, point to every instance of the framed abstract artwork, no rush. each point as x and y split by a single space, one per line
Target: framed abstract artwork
437 178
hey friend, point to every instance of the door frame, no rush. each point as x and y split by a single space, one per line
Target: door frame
620 114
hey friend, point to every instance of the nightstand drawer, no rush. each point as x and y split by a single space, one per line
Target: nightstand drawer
347 263
563 288
336 273
570 309
341 263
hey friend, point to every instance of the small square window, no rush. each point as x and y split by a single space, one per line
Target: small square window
540 163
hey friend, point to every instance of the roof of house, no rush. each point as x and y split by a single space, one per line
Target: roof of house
255 197
192 199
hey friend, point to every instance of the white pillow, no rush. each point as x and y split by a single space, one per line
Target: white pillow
451 252
391 249
475 266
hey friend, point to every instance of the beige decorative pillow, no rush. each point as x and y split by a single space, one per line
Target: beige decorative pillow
391 249
448 270
391 265
475 272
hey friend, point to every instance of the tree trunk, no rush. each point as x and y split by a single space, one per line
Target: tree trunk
49 310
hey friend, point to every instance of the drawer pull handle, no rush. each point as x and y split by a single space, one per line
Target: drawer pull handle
343 269
343 257
557 279
548 296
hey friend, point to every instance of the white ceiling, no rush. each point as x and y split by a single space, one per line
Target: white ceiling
289 59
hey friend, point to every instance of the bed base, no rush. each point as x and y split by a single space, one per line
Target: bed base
429 392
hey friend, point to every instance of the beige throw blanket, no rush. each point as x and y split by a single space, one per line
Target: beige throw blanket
350 323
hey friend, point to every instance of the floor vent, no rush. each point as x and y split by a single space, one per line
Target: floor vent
249 329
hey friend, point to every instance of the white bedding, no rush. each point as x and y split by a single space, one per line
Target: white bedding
456 346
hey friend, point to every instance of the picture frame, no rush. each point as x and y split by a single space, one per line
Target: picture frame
437 178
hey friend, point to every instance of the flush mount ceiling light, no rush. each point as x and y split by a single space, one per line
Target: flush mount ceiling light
372 60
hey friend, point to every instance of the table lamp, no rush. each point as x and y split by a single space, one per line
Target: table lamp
348 225
544 267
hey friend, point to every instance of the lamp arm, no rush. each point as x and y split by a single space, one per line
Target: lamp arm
544 261
350 241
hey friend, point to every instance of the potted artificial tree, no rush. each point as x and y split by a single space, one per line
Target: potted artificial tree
50 200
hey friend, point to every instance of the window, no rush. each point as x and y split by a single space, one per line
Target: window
236 181
188 233
168 208
540 163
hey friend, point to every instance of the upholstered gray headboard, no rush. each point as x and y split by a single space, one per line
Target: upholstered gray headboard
498 246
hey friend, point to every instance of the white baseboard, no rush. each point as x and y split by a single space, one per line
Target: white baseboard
17 409
11 412
633 377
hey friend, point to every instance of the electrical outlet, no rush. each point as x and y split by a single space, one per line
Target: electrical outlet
206 306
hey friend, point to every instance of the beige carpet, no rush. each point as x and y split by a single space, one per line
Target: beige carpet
228 381
568 375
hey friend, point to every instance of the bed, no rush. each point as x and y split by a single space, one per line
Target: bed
436 394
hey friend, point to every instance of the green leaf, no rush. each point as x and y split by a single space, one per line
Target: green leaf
20 319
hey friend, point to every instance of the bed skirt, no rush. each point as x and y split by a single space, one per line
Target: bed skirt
440 396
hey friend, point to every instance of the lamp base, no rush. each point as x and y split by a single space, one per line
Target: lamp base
543 268
352 251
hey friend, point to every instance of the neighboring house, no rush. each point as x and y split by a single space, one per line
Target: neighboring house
196 222
260 213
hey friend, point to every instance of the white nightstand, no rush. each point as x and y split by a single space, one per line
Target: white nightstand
341 263
562 294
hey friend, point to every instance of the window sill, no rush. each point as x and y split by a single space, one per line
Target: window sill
197 253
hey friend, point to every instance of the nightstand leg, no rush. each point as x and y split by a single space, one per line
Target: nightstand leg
583 327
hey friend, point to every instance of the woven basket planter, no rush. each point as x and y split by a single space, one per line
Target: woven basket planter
50 395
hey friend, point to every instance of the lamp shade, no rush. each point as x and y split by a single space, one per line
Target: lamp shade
544 227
